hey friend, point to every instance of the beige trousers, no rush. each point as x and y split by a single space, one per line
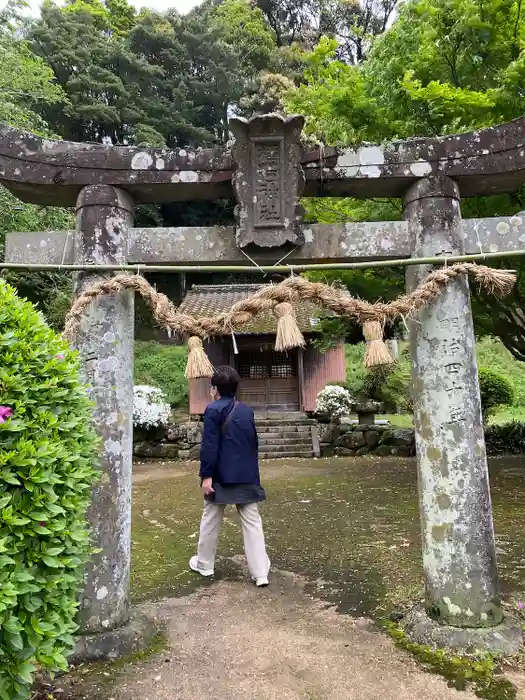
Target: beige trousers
252 530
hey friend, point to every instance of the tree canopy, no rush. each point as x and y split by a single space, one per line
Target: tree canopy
27 84
443 66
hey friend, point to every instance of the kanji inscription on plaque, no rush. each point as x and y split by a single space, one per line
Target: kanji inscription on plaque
268 180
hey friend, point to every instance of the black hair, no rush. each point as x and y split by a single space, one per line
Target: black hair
226 380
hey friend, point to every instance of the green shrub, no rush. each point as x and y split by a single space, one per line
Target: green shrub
494 355
501 385
375 382
355 371
496 390
47 449
397 390
390 385
508 439
163 366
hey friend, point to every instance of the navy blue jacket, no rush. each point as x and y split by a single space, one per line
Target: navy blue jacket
229 456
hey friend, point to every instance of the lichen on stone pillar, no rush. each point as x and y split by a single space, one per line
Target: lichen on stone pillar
105 342
459 557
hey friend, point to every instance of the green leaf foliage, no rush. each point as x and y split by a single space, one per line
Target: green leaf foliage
496 390
443 66
506 439
26 80
52 291
501 379
150 78
47 452
163 366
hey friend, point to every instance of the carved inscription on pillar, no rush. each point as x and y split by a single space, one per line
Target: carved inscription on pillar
268 180
454 379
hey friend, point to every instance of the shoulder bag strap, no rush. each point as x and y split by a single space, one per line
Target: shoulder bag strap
229 417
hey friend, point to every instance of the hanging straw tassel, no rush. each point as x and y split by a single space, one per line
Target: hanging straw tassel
377 352
288 334
198 364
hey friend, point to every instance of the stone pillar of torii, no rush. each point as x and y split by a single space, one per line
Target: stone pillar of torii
267 171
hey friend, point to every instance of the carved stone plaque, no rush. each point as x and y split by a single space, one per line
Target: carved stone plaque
268 180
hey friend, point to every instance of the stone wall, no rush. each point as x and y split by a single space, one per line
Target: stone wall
183 441
357 440
347 440
385 440
176 442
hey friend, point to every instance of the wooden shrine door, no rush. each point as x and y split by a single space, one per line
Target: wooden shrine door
269 380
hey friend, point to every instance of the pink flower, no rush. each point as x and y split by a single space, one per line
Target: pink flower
5 412
60 356
520 605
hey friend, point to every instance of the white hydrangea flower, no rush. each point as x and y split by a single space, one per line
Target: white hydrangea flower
334 400
150 408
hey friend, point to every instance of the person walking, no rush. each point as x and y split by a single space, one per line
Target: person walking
229 472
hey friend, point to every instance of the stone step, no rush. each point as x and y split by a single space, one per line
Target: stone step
280 428
285 434
270 449
305 454
270 445
289 416
284 421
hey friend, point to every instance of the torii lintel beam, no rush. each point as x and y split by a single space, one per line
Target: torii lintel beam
49 172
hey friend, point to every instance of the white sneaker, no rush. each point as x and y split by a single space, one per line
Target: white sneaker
194 566
262 581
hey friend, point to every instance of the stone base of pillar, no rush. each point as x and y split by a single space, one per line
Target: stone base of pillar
505 639
135 636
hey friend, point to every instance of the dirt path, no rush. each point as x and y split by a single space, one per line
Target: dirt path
272 469
235 642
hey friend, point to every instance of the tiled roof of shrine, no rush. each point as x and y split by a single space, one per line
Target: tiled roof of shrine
210 300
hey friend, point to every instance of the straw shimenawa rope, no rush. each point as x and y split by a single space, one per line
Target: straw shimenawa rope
292 290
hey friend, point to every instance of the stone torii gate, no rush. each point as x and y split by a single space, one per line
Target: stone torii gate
267 171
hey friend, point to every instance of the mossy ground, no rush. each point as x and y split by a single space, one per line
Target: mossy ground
92 681
351 526
482 673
